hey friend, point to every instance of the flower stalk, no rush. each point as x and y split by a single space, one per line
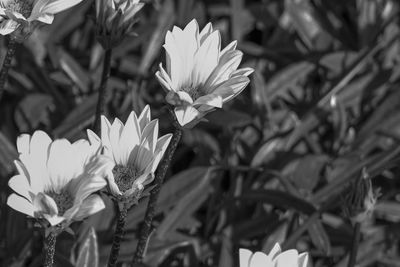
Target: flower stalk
50 247
154 194
354 245
101 102
118 235
7 63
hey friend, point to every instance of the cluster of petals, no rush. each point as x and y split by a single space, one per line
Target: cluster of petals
199 76
16 13
133 146
56 179
115 19
276 258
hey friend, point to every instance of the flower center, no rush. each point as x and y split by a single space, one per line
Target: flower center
23 7
124 177
194 92
63 200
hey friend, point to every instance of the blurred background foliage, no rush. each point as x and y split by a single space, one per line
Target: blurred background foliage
273 165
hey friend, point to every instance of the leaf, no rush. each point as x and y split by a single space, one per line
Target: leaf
79 118
229 118
279 199
307 23
226 257
388 210
268 151
33 111
74 70
242 20
306 171
165 21
286 78
187 205
319 237
172 191
7 155
88 253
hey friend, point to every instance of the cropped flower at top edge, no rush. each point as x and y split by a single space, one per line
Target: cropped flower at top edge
114 20
275 258
199 76
56 179
135 149
16 13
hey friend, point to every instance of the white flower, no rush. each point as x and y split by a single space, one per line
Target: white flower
199 76
56 179
114 19
276 258
135 149
24 12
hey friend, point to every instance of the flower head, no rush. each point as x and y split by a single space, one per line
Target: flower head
135 149
199 76
276 258
21 14
56 179
114 20
360 199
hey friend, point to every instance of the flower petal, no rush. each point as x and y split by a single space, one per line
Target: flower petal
20 204
287 258
206 59
211 100
89 206
186 114
87 186
145 117
130 137
231 88
8 26
303 260
20 185
260 259
55 6
44 204
226 66
244 257
275 251
61 157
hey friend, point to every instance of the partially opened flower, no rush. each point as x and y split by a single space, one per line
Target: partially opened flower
21 14
135 149
200 76
115 19
56 179
276 258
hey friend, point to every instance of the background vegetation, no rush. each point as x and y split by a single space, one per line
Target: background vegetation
274 165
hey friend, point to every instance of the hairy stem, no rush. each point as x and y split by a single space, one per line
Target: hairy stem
354 245
50 248
151 206
7 64
118 235
101 102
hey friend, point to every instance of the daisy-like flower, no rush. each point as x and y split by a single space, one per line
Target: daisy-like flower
56 179
24 14
114 20
199 76
276 258
135 149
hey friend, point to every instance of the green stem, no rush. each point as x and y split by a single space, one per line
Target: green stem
7 64
50 247
118 235
154 194
354 245
101 103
